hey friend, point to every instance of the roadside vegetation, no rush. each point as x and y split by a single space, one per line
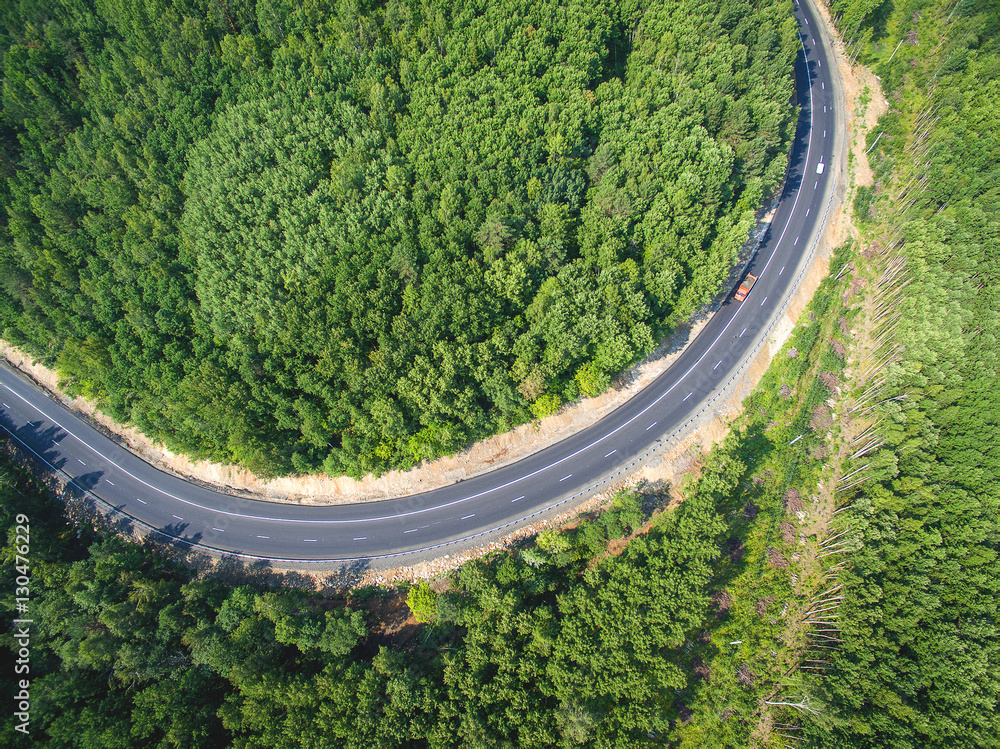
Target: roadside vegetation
918 658
352 236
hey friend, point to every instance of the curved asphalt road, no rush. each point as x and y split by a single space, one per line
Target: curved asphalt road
411 527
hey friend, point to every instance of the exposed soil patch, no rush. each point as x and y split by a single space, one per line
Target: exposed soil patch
787 532
776 559
821 419
745 676
793 500
722 601
701 669
390 620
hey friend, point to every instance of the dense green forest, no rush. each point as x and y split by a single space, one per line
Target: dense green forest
697 632
349 236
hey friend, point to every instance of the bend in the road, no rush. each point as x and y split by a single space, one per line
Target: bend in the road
420 526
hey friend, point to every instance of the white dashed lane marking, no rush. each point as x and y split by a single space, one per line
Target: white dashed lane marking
570 475
522 496
178 517
651 426
469 516
688 395
717 365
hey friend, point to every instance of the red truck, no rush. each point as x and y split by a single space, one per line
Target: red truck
744 289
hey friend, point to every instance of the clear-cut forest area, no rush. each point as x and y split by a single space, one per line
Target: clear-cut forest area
831 577
350 236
